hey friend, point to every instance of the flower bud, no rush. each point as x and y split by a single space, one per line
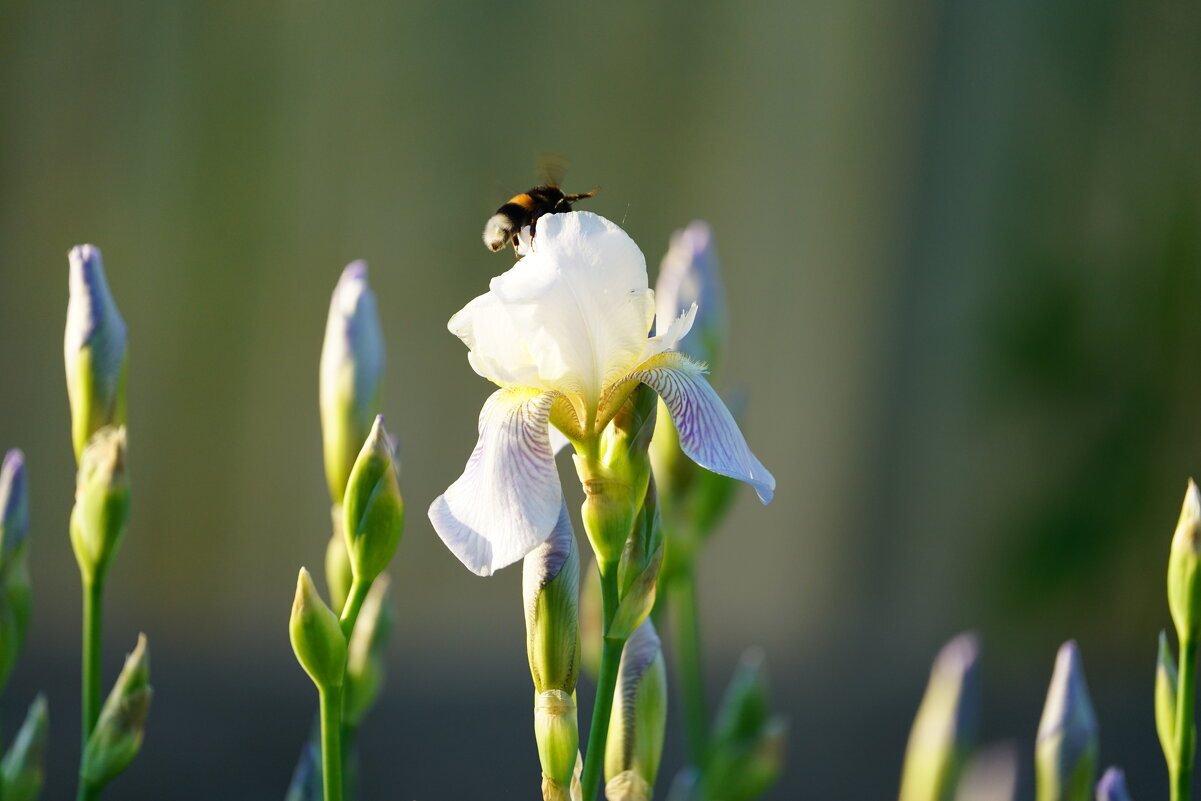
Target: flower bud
352 364
615 482
306 778
550 588
117 737
316 636
638 570
15 602
338 573
14 507
689 274
374 509
1165 698
1065 752
556 730
365 653
23 767
944 730
991 774
1184 588
634 745
101 502
747 744
554 791
94 349
1112 786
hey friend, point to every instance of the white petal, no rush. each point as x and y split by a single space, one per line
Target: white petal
676 331
571 316
708 433
508 499
558 440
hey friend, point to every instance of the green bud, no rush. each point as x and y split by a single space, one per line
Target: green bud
338 573
117 737
23 769
15 601
14 508
352 364
1065 752
1184 589
556 730
94 349
638 570
1165 698
615 480
365 654
101 503
747 743
550 589
316 636
374 509
943 732
634 746
991 774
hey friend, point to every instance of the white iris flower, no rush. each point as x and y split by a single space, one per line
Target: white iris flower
564 333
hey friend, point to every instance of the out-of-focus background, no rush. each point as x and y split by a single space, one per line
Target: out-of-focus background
962 248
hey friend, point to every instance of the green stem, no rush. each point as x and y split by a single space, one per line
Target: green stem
331 742
93 600
354 603
1186 684
606 682
686 641
87 791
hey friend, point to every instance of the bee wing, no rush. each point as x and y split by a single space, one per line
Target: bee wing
551 168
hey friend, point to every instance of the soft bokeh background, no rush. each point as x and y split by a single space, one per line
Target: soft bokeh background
962 245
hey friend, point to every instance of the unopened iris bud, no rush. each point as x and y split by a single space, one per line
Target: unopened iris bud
1065 752
338 573
615 482
23 769
352 364
94 349
101 502
748 742
944 730
635 742
365 653
1184 585
316 636
14 507
689 274
117 737
374 509
1165 698
990 775
1112 786
550 589
638 570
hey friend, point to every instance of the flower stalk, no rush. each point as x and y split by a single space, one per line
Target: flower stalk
1184 602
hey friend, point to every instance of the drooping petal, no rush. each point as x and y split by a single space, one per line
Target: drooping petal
708 433
508 499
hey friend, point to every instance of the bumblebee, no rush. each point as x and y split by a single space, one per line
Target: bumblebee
525 209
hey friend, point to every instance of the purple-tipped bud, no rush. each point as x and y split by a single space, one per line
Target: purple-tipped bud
14 505
1184 568
94 349
943 732
689 274
352 364
1065 752
1112 786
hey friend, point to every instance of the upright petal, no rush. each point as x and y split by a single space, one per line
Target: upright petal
571 316
708 434
508 499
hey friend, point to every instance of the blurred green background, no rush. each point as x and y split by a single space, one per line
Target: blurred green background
962 247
